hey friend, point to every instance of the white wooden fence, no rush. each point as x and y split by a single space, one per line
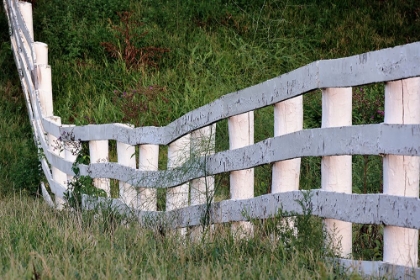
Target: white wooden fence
190 182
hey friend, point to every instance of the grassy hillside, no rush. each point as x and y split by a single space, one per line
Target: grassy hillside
150 62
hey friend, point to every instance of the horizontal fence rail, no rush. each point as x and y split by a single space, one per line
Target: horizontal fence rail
189 176
379 209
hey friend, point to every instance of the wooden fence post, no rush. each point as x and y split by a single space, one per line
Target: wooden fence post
57 175
99 151
401 173
202 189
178 154
336 171
288 118
71 151
177 197
44 86
202 144
126 156
26 11
148 161
241 134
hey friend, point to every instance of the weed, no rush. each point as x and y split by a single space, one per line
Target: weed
79 184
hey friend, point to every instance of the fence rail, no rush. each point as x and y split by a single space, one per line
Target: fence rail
189 176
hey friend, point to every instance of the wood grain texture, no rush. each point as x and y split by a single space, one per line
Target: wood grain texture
356 208
379 269
376 139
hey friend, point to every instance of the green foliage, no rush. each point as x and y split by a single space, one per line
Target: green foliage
40 242
80 185
74 30
216 47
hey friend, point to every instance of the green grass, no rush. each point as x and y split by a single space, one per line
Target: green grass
40 243
215 47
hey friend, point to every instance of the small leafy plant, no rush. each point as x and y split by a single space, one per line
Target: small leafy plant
79 184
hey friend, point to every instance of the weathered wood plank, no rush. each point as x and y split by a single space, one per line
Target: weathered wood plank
366 139
379 269
374 139
356 208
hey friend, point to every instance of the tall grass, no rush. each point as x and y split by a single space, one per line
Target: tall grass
40 243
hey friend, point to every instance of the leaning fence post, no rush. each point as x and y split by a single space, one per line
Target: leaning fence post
202 189
26 11
44 87
148 161
241 134
336 171
401 173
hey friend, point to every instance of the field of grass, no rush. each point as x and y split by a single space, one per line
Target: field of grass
150 62
39 243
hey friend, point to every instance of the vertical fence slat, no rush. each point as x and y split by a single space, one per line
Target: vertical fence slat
148 161
178 153
401 173
126 156
288 118
99 151
336 171
241 134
